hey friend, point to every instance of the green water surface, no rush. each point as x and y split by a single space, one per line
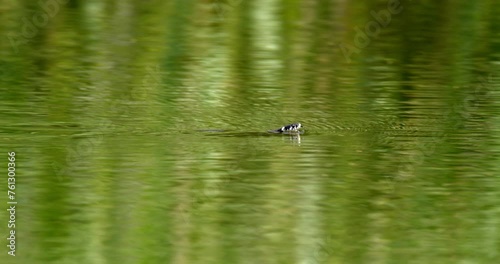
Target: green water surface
139 131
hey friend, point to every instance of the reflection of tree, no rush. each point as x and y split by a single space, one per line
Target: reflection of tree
223 7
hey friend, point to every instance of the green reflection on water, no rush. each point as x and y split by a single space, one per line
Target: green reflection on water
140 131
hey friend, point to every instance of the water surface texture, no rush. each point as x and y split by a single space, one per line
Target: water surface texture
140 131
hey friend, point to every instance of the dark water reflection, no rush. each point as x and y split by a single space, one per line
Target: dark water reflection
140 132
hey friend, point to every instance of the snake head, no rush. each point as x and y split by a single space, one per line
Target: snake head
291 127
288 128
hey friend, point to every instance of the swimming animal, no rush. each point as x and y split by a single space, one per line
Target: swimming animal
292 128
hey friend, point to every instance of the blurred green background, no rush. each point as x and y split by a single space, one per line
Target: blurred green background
139 131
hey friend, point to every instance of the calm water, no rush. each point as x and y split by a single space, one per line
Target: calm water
139 131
